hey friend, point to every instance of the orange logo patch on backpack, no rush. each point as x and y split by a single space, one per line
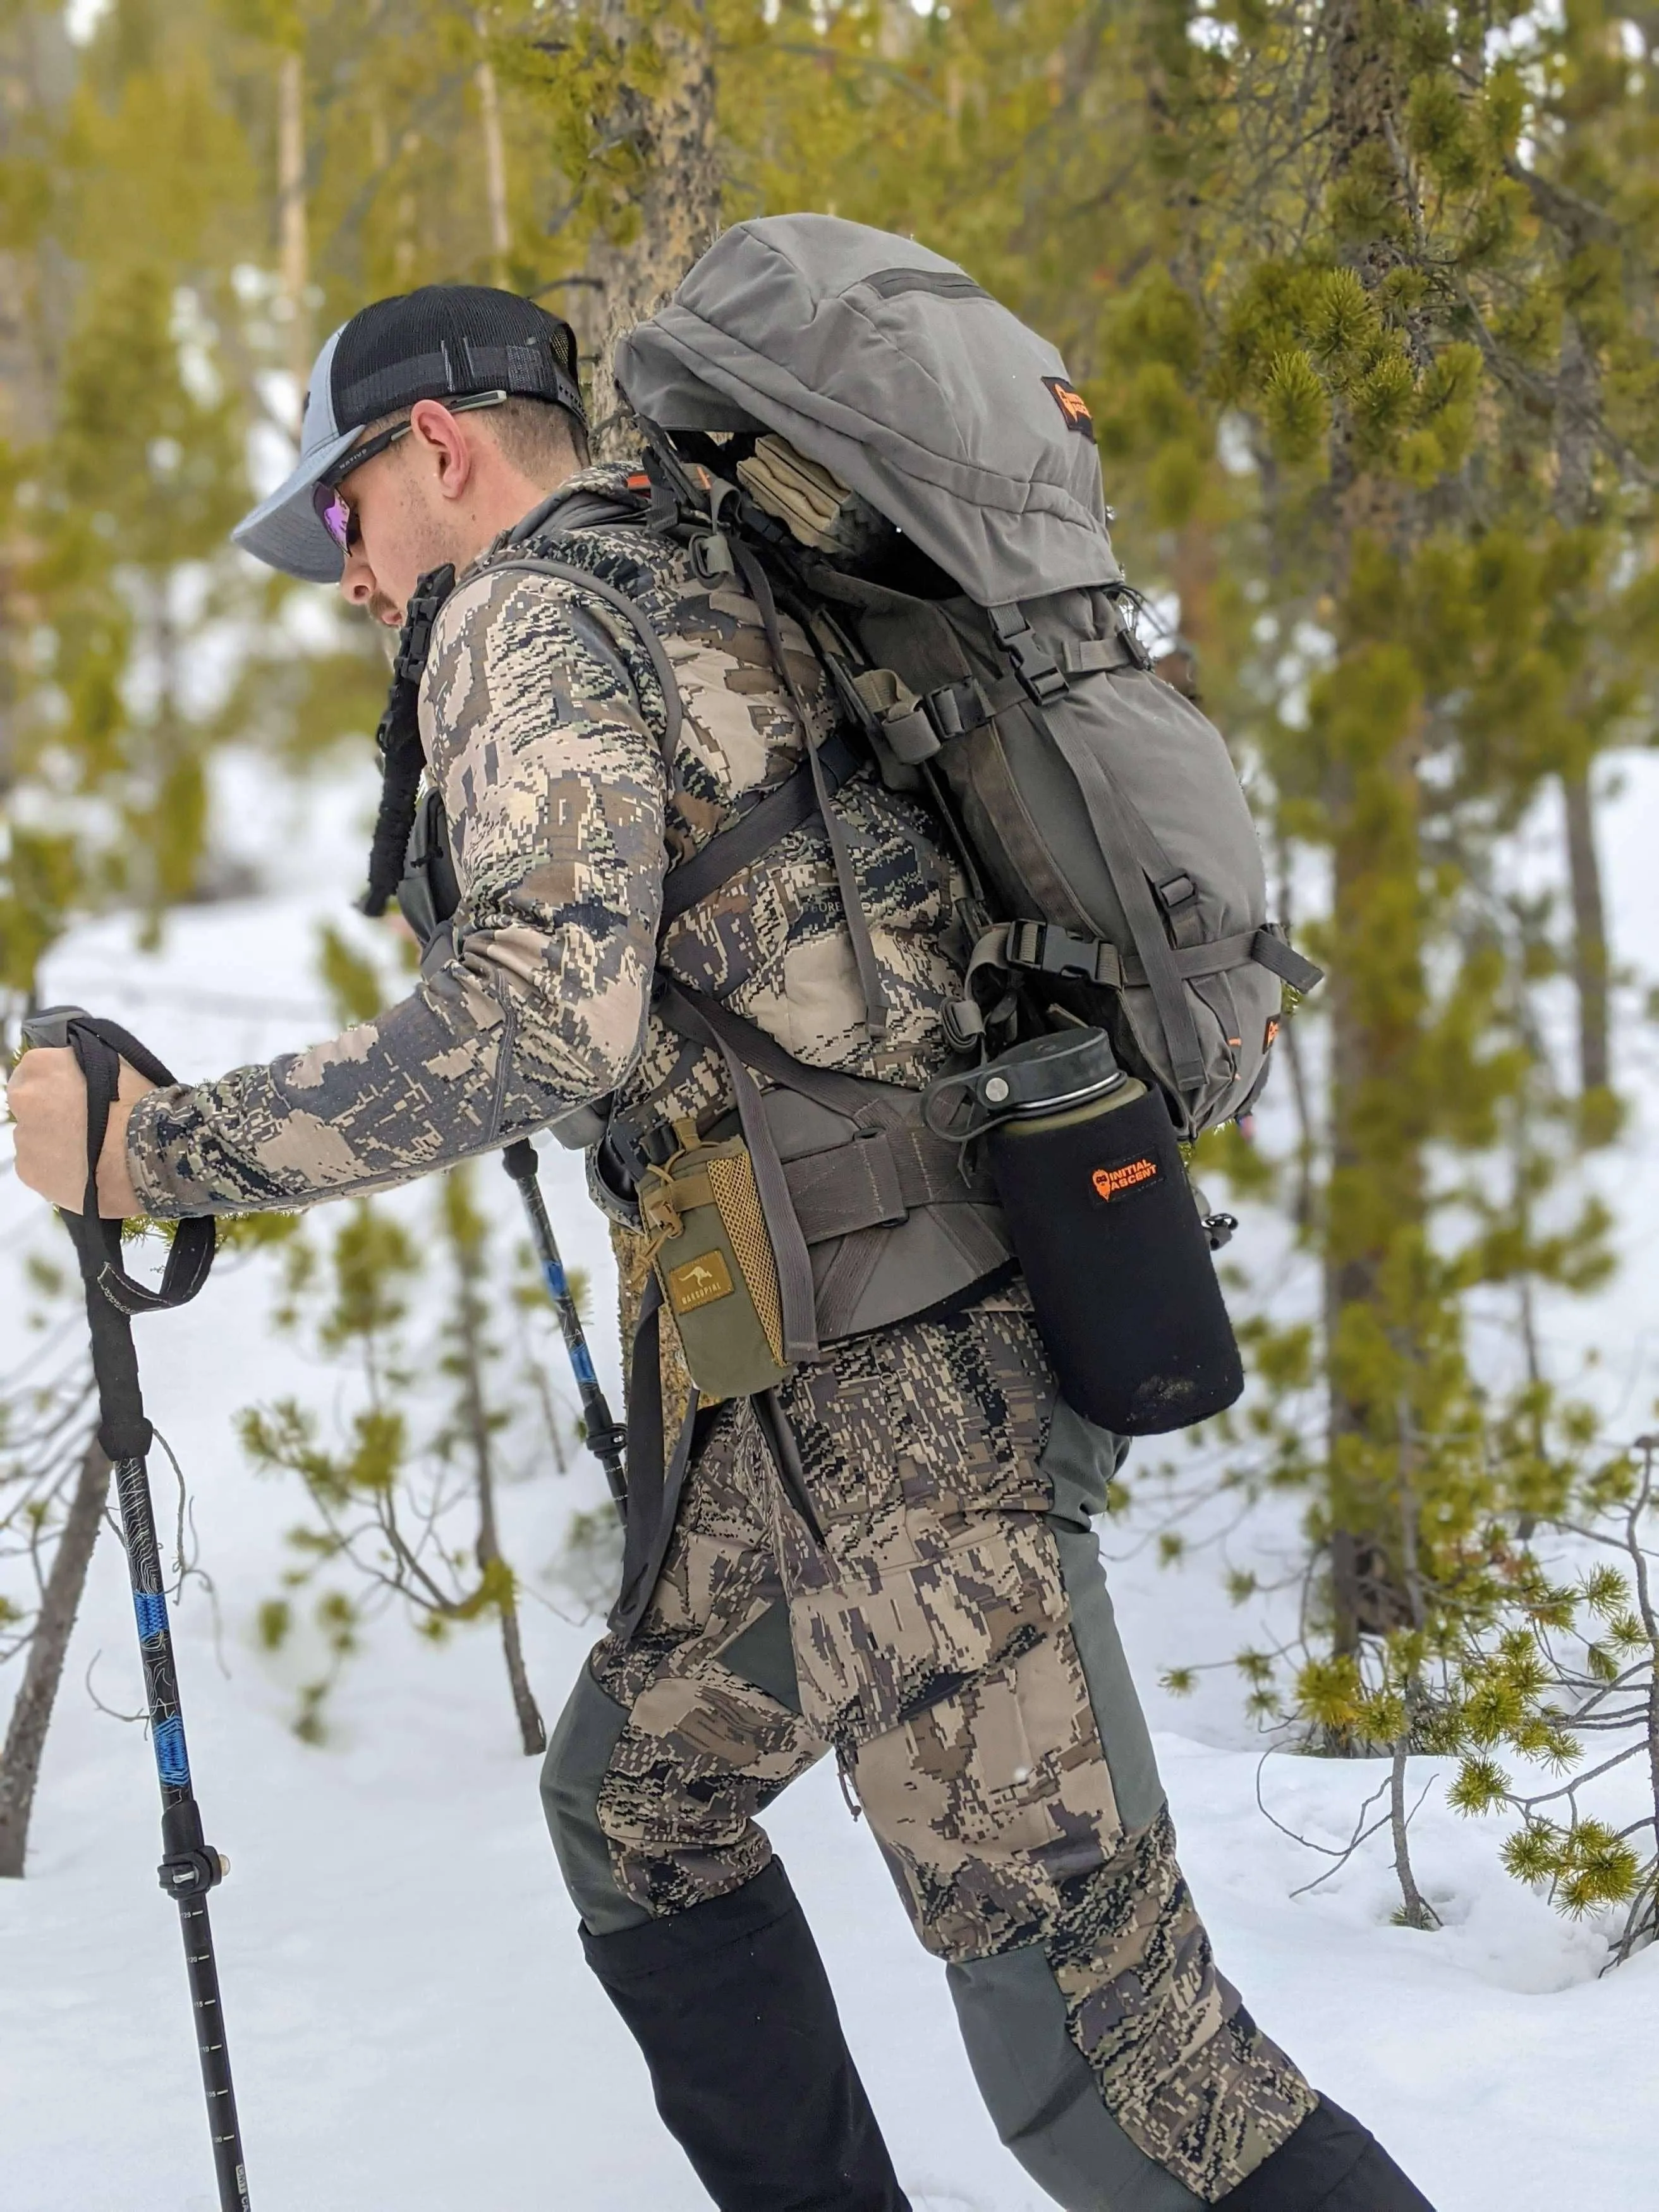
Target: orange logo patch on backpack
1071 404
1112 1183
1270 1032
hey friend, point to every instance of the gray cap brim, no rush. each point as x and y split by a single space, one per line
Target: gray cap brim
284 530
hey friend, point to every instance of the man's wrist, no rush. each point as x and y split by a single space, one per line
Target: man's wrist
116 1198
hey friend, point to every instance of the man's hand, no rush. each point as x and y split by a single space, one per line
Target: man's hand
47 1096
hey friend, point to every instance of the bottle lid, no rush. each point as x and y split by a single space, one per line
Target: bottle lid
1046 1075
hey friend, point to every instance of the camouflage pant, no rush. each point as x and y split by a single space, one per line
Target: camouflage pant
952 1642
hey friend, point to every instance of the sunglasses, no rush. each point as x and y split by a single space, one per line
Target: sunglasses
333 510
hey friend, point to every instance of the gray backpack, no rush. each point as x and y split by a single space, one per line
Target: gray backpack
989 656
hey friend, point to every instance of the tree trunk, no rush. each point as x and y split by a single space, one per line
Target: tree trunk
532 1731
37 79
469 1329
671 214
1574 504
1374 994
30 1716
1415 1911
1590 939
489 119
293 243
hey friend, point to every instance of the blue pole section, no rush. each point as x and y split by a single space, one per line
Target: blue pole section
189 1868
606 1440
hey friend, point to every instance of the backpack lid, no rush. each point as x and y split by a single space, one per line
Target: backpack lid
887 364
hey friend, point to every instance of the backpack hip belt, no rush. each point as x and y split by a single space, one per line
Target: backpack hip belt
873 1215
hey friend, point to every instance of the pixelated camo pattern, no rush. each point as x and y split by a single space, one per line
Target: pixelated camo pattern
933 1650
543 720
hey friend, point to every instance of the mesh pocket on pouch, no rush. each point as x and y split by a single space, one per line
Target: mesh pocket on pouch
732 1180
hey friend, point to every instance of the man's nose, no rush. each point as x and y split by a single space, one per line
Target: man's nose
356 580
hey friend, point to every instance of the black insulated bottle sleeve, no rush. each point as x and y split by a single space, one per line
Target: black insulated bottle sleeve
1125 1291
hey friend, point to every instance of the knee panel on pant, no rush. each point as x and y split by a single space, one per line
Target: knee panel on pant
1041 2096
578 1756
652 1806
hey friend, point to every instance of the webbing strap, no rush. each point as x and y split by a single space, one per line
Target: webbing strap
100 1046
1097 656
1051 950
634 616
876 1181
767 822
857 925
842 1094
795 1294
653 1488
1110 815
1272 950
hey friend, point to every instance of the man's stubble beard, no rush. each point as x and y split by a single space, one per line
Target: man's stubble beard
434 540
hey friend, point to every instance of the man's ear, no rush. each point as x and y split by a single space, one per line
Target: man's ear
442 443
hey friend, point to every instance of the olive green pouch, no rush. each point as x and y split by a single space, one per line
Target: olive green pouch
715 1265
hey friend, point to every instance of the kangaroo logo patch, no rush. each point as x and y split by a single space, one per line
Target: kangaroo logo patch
1071 404
696 1282
1132 1175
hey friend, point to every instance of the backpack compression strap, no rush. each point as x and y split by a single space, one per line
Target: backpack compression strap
1149 887
858 922
1049 949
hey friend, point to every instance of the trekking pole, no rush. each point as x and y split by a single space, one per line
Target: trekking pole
189 1869
606 1440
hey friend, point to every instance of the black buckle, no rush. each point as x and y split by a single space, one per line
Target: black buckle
1052 951
658 1145
429 594
955 708
1028 656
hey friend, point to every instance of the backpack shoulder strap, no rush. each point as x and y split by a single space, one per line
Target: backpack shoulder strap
731 850
632 613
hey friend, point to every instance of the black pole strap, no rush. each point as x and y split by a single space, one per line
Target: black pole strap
112 1295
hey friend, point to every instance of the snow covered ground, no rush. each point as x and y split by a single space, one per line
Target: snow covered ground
409 2018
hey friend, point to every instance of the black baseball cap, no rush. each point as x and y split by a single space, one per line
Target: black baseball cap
444 341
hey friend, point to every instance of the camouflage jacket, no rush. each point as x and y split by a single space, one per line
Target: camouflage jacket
543 722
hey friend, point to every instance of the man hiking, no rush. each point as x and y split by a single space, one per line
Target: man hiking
883 1552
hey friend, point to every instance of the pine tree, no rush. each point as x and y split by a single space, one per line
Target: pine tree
1351 277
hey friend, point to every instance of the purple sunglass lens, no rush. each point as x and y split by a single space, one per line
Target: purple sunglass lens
333 512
